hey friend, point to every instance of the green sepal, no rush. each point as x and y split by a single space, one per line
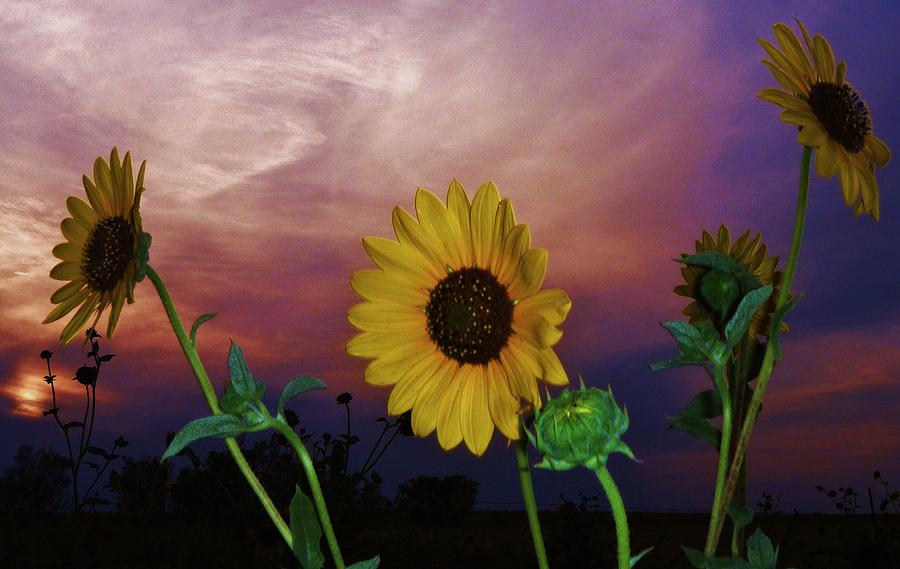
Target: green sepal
700 561
760 552
724 263
777 319
367 564
720 290
295 387
200 320
699 428
305 531
740 516
737 326
638 557
213 426
251 413
142 257
706 404
243 382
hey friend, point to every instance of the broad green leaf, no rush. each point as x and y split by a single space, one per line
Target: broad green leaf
306 532
200 320
684 333
777 319
737 326
638 557
699 428
706 404
760 552
696 558
367 564
241 379
297 386
740 516
213 426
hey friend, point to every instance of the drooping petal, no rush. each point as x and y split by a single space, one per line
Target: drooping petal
77 323
118 300
552 368
877 150
449 431
67 302
501 402
429 399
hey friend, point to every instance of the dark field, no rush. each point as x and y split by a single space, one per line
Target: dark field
471 541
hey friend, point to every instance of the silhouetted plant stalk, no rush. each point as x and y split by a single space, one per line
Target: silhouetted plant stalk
88 377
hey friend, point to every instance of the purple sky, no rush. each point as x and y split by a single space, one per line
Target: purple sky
277 134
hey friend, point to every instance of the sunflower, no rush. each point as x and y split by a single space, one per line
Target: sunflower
750 254
98 258
455 320
831 116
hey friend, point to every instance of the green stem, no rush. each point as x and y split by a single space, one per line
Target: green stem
315 489
619 516
717 509
768 364
190 352
528 495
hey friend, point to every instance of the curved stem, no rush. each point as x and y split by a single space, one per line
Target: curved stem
314 488
528 495
619 516
190 352
768 364
717 510
381 452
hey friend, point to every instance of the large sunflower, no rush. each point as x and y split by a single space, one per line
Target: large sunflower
831 116
750 254
98 258
455 320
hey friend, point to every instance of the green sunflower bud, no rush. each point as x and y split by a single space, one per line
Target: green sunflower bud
720 290
579 428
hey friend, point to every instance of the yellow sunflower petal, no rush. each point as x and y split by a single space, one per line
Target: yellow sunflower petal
392 366
840 73
517 242
434 218
552 368
787 80
791 47
429 399
73 231
374 344
417 376
77 323
411 233
97 198
68 252
118 300
723 238
531 271
103 182
800 118
475 415
68 290
117 183
504 221
449 431
66 271
536 329
782 99
375 284
66 302
484 208
395 257
783 65
458 205
813 135
877 150
824 58
826 159
554 304
128 180
81 212
522 363
501 402
383 317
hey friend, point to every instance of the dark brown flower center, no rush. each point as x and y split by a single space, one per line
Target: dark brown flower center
843 114
109 249
470 316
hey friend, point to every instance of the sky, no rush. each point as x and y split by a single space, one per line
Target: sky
279 133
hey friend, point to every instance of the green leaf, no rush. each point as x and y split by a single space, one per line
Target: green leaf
737 327
696 558
213 426
760 552
200 320
777 319
740 516
676 362
723 262
699 428
295 387
706 404
306 532
248 388
367 564
637 557
720 290
97 451
684 333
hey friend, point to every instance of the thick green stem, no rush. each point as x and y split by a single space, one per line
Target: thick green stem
190 352
717 510
768 363
619 516
315 489
528 495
